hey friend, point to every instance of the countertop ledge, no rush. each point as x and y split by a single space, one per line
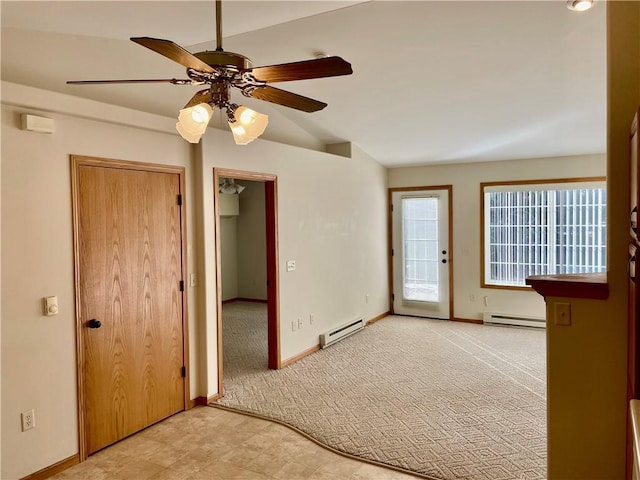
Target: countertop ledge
584 285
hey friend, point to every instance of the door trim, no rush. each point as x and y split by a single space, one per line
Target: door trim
391 191
273 300
76 162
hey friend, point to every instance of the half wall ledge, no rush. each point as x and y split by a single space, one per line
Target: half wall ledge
585 285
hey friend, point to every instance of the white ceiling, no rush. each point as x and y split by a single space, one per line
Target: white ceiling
433 82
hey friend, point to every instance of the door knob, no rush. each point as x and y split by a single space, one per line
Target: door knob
93 323
444 260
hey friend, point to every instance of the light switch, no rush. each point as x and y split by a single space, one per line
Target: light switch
50 306
562 315
291 265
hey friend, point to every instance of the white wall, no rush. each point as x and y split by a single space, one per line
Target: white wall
229 256
332 221
252 243
38 353
466 179
243 247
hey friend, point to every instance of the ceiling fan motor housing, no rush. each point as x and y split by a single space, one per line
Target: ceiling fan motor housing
223 59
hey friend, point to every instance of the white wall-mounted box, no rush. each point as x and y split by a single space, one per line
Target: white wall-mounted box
35 123
229 204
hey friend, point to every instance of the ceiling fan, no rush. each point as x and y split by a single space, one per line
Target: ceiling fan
221 71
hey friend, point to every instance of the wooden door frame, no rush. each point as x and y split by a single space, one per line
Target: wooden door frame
449 189
273 301
78 161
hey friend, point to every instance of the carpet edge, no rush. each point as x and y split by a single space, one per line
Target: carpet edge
319 443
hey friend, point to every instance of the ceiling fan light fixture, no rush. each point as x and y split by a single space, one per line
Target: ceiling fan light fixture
248 125
580 5
221 71
229 186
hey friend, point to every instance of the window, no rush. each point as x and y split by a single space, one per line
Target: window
421 259
542 228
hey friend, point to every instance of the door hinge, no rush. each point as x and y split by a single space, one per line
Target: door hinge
393 297
182 285
392 207
180 199
183 372
392 253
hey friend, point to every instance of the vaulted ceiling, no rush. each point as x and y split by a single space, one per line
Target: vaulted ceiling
433 81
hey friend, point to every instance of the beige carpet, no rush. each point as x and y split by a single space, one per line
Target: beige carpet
446 400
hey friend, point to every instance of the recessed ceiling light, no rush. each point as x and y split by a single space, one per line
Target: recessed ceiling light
579 5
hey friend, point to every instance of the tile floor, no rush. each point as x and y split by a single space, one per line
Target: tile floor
210 443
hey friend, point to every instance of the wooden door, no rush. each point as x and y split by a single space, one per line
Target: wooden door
633 316
129 248
633 377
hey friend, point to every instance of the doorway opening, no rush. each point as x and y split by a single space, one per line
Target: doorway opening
246 260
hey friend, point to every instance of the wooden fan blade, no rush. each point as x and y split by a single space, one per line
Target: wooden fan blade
152 80
174 52
305 70
203 96
288 99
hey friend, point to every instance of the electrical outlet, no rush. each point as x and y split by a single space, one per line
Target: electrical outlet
562 314
293 325
311 318
28 420
300 324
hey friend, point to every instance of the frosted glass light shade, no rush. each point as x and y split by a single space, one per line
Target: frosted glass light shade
188 136
248 126
193 121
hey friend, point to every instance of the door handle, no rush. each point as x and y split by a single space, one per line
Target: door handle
444 260
93 323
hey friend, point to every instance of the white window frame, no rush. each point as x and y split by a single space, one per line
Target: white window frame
529 186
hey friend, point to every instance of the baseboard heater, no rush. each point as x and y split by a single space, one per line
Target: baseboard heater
513 320
339 333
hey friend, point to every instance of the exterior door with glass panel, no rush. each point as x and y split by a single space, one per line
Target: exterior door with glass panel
420 233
